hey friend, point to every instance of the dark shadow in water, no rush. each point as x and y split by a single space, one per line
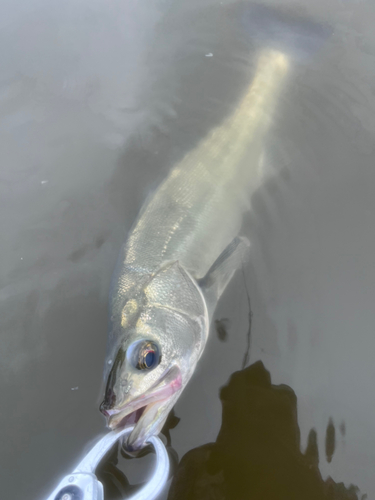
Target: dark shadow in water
221 327
256 455
116 485
257 452
343 428
330 440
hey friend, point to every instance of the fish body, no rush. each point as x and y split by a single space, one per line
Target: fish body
181 253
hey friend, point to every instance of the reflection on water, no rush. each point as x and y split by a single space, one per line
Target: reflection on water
256 455
257 452
221 327
330 440
82 79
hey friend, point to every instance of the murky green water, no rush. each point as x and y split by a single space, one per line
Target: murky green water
97 101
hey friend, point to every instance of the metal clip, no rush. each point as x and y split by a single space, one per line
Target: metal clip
82 484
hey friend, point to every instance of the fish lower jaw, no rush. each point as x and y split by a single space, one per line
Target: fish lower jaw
131 412
140 433
117 421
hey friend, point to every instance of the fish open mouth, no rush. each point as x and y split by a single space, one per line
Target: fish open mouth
119 419
131 418
147 410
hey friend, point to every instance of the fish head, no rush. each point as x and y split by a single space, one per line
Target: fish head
153 360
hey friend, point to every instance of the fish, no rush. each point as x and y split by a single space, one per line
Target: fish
179 257
186 242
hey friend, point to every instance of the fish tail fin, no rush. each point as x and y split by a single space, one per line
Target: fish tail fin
280 29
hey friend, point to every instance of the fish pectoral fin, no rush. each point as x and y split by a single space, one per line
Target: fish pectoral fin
222 270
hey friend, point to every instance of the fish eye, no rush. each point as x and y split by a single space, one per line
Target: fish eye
148 356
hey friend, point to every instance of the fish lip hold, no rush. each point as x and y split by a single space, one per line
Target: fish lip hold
131 412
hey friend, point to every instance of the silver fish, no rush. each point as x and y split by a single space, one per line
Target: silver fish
180 255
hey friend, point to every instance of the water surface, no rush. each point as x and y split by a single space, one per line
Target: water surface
97 101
